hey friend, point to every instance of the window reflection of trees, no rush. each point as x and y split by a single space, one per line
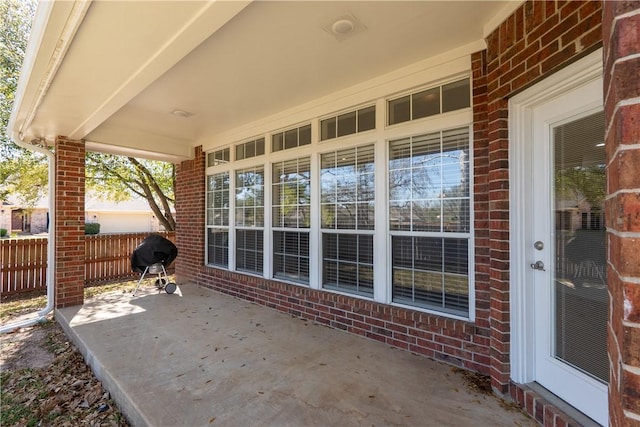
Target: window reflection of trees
347 197
429 193
218 199
250 197
347 189
429 182
292 194
218 216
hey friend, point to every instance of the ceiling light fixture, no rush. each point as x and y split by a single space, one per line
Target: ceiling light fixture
342 26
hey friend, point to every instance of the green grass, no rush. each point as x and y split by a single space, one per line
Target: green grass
16 410
25 304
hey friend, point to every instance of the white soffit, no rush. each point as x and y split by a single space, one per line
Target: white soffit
120 48
132 63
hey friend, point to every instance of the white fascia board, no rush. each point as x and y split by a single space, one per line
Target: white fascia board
52 29
166 151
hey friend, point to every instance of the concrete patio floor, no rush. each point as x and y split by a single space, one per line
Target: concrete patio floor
201 358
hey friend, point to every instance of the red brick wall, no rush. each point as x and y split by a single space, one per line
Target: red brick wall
453 341
622 111
536 40
190 216
481 193
69 222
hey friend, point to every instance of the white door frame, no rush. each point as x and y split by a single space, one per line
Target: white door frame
521 108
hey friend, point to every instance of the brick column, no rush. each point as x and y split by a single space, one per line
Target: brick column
621 34
190 217
69 222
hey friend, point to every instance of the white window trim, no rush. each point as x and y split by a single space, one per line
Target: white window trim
470 235
218 169
354 231
380 138
433 85
246 228
297 153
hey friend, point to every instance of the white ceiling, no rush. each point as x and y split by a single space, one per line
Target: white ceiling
131 63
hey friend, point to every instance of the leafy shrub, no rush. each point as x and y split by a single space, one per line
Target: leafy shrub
3 232
92 228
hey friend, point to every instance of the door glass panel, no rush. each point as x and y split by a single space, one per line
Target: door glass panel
581 299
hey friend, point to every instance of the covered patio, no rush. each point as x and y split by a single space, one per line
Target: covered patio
380 168
199 357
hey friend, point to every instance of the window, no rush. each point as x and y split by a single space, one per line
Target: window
429 182
291 256
347 263
431 272
291 204
430 102
218 219
218 157
429 219
249 219
250 149
456 96
249 252
291 138
347 189
347 193
218 247
261 217
348 123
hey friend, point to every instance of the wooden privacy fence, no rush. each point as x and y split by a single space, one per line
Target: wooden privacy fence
23 262
23 265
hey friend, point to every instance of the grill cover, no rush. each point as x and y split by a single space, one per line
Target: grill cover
152 250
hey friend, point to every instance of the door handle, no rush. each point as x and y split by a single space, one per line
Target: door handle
538 265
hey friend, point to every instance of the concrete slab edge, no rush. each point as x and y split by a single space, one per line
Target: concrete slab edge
134 416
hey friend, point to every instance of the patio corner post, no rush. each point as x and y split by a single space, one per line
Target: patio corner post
622 113
69 222
190 220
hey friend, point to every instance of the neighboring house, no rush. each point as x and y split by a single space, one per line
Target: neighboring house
5 216
391 169
129 216
20 220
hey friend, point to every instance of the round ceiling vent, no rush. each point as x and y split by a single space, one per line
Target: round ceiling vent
342 27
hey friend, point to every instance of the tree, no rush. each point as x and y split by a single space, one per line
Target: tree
120 178
24 172
578 183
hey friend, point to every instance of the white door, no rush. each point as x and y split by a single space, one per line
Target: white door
566 248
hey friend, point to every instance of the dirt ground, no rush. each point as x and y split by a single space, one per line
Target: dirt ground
25 349
44 380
